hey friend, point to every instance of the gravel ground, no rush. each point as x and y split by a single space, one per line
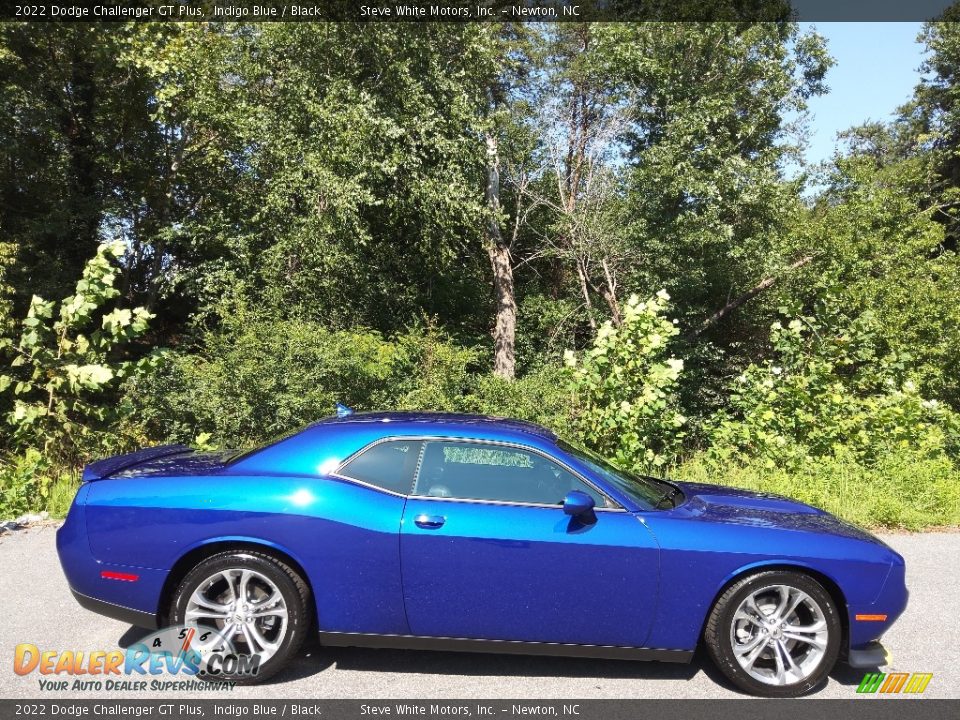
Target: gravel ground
41 610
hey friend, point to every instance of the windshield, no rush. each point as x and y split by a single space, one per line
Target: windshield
647 492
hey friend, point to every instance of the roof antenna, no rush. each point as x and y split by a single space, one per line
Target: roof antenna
343 411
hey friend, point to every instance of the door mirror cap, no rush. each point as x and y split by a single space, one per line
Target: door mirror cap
577 503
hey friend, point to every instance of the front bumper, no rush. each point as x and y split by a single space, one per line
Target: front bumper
872 655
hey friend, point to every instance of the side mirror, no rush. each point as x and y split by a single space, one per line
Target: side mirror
577 503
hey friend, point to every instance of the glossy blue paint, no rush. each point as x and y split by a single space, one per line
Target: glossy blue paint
577 503
379 562
506 572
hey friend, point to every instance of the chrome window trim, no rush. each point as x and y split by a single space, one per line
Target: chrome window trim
617 507
371 486
509 503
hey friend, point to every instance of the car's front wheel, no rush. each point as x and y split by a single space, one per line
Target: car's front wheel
774 634
248 613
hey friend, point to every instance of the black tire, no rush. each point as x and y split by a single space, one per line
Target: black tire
719 628
295 592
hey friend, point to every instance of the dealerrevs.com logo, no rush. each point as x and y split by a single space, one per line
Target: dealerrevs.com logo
892 683
173 659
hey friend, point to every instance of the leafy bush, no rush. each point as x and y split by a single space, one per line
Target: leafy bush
7 257
65 361
29 483
25 483
626 387
542 396
258 378
830 389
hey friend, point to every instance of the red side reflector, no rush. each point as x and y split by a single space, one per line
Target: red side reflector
870 618
111 575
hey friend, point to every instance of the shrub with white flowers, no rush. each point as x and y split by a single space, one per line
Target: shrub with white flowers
626 387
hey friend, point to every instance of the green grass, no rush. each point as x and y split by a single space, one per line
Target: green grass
61 495
29 484
904 492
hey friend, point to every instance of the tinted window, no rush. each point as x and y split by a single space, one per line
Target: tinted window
476 471
389 465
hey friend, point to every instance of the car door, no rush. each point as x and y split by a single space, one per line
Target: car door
488 553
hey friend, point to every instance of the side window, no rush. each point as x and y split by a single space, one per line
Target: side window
389 465
476 471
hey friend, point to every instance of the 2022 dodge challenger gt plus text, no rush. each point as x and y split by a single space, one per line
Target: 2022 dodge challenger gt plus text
457 532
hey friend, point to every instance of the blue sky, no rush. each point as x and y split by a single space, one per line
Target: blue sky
876 70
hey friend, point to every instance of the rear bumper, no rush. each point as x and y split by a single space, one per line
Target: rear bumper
91 583
139 618
871 655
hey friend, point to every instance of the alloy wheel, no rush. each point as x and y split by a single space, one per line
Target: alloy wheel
779 635
238 610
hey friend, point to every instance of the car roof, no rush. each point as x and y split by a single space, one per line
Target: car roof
428 422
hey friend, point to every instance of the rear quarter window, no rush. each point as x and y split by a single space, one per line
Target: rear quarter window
388 465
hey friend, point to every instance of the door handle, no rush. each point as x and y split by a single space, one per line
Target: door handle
429 521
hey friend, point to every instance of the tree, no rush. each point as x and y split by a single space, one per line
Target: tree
708 140
510 53
583 117
882 251
933 117
68 113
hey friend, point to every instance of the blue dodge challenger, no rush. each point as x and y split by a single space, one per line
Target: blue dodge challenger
460 532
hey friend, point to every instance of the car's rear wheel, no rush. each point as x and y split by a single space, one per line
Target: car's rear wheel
775 634
247 605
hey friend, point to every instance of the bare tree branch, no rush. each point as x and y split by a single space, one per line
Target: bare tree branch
764 284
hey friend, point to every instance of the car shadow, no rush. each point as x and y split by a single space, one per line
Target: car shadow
315 658
133 635
846 675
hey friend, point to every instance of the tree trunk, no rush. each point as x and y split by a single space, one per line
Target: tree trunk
609 293
505 327
585 289
505 330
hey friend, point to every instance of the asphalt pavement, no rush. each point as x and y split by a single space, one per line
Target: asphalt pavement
38 608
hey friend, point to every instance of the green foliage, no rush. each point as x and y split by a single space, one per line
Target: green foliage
65 360
226 393
708 206
29 483
221 394
24 483
831 391
879 250
626 386
295 198
542 396
7 257
907 489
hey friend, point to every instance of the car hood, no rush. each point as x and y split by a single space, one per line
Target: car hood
736 506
